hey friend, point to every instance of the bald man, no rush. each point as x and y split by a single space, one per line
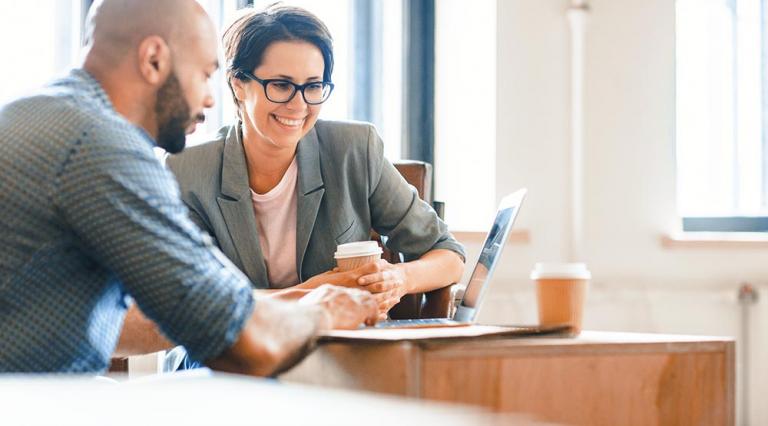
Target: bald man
91 222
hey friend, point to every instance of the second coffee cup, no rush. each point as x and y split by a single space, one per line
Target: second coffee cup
354 255
561 289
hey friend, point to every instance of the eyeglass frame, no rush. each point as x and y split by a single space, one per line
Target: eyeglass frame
296 87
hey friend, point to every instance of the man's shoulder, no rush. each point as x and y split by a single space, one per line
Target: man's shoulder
47 124
44 108
61 111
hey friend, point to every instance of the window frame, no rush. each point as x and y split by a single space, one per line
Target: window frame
726 224
419 81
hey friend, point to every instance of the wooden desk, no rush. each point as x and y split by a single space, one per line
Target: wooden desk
599 378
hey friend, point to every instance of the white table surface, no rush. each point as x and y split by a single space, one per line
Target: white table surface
201 398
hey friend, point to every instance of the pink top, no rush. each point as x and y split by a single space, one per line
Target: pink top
276 219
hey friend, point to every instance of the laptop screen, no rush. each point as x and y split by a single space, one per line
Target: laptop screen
489 256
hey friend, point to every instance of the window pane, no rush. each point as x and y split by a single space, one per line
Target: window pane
39 39
749 121
720 122
705 107
466 173
222 13
392 78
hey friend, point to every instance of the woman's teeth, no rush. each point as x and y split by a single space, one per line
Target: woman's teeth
288 122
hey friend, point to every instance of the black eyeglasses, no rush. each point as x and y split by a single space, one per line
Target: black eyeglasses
282 91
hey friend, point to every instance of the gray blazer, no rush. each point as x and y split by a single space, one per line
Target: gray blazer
345 188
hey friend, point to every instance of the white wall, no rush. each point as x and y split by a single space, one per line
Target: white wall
629 182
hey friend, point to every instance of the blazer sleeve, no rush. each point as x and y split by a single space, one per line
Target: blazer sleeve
411 225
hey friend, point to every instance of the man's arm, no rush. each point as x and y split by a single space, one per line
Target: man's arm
125 209
275 337
140 335
268 346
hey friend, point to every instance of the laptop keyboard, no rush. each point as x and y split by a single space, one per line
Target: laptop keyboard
416 323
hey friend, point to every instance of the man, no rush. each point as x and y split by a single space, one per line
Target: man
89 216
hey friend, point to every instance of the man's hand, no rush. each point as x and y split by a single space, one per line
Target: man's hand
279 334
344 308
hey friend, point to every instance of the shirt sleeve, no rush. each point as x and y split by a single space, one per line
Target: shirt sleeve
411 225
125 209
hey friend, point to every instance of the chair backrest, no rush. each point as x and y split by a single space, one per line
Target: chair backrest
418 174
420 305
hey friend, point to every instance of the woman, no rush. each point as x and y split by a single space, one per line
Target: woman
280 190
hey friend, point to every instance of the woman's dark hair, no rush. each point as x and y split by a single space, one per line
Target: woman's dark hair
251 34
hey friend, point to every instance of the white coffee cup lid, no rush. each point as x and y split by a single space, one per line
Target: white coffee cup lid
360 248
557 270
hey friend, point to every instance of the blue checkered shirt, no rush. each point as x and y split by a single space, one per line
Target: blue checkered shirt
88 217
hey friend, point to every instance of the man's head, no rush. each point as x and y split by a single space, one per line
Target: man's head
154 59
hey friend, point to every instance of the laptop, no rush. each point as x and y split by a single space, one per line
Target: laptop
467 310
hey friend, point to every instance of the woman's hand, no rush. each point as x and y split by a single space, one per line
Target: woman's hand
387 282
342 279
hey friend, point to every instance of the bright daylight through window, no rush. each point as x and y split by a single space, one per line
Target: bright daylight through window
722 154
52 45
37 52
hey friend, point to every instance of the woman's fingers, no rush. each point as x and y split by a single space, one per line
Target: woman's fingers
385 275
372 278
382 286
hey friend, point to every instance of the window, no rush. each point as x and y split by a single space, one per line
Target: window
222 13
367 71
465 116
41 38
722 119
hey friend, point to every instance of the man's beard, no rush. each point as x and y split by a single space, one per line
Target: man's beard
173 115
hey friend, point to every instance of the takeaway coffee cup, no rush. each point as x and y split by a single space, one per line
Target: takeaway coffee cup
561 289
354 255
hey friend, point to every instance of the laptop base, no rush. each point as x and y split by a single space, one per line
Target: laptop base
421 323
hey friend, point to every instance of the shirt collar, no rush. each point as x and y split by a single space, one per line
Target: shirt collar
92 87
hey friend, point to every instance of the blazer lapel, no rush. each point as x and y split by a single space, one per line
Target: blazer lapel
310 193
237 208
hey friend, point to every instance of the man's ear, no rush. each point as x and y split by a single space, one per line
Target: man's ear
155 62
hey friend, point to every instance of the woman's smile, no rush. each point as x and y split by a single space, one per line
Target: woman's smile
288 122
